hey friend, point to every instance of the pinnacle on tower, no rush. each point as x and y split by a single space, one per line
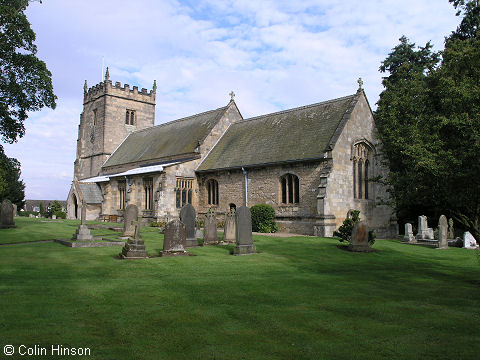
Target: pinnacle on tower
154 86
107 75
85 87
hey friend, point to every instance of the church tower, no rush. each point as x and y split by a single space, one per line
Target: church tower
110 113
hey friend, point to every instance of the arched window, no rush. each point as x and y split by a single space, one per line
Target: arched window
362 153
290 189
367 164
354 179
212 191
360 182
148 190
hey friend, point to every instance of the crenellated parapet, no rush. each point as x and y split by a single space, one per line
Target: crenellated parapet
108 88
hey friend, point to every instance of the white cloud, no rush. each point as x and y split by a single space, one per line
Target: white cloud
273 54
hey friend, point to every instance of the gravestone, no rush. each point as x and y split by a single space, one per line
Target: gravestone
31 216
359 240
187 216
424 232
54 217
129 219
175 239
198 230
135 247
6 215
243 232
469 241
14 210
442 232
229 227
210 237
83 232
408 233
451 232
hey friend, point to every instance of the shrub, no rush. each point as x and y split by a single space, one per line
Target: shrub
60 214
345 231
263 218
27 213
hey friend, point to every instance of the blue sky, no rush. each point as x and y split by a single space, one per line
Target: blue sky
274 55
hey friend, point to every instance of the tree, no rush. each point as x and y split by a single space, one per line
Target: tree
470 9
11 187
428 119
25 82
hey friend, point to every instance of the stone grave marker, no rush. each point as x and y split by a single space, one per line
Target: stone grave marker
187 216
469 241
83 232
359 241
198 230
135 247
408 233
243 232
210 237
54 217
424 232
451 232
229 227
31 216
442 232
129 218
6 215
175 239
14 210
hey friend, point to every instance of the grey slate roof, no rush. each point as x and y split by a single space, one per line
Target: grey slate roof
298 134
91 193
166 140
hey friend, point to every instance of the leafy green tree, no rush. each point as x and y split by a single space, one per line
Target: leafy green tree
25 81
470 10
11 187
42 210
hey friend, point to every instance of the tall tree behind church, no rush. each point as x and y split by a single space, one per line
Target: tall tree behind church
428 120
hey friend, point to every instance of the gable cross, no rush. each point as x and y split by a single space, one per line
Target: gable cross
232 95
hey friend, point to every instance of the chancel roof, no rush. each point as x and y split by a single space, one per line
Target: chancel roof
166 141
91 192
298 134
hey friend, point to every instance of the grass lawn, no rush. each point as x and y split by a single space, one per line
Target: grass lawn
298 298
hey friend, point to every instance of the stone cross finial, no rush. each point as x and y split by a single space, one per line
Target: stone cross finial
85 87
360 83
154 86
107 75
232 95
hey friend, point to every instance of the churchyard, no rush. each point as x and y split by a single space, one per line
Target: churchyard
296 298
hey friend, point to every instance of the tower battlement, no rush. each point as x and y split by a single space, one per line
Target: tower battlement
107 88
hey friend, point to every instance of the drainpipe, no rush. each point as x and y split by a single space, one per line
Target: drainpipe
246 186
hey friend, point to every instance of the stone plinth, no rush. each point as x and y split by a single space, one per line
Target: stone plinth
134 249
82 234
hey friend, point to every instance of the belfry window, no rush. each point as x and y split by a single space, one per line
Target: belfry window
362 154
290 189
130 117
148 190
212 190
183 191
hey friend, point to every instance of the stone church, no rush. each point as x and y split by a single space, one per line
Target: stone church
313 164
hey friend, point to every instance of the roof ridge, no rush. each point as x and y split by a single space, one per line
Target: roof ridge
181 119
296 108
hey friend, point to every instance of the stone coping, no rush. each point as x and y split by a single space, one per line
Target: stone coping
89 244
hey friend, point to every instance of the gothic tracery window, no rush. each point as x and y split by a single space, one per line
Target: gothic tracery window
183 191
361 170
290 189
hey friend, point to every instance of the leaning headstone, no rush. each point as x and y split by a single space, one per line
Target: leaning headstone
451 233
135 247
210 237
229 227
129 219
359 240
6 215
243 232
408 233
175 239
187 216
14 210
469 241
83 232
424 232
442 232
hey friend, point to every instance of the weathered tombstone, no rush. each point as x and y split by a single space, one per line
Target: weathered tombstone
14 210
31 216
451 232
243 232
6 215
469 241
129 219
198 230
424 232
442 232
408 233
135 247
359 240
175 238
54 217
210 237
187 216
83 232
229 227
